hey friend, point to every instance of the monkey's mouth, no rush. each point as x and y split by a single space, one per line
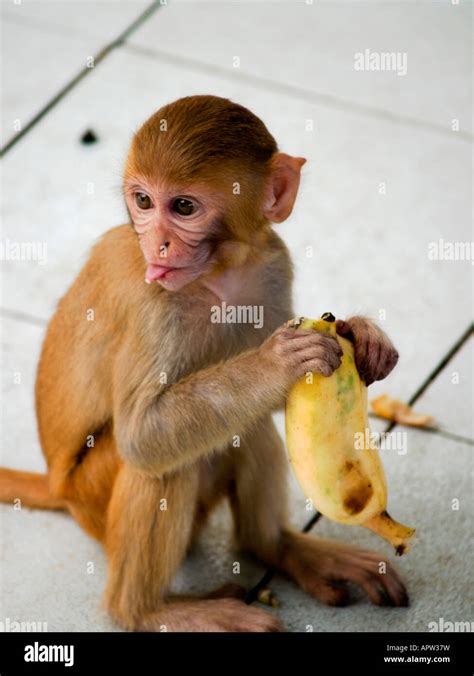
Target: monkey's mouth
156 273
167 273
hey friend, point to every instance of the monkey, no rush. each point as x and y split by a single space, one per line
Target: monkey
140 397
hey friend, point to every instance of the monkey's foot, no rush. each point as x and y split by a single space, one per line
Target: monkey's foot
322 567
209 615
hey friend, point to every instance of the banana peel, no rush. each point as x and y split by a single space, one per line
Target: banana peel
399 412
324 418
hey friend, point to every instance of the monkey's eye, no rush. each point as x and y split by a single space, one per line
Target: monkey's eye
142 200
182 206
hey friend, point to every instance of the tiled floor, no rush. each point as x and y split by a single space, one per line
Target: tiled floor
370 246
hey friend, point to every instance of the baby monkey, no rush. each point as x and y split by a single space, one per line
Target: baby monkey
150 414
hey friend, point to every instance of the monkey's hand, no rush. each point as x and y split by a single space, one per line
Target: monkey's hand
375 354
292 353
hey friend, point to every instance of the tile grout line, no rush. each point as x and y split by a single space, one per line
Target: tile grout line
463 338
432 430
252 594
103 53
22 317
330 101
460 438
300 93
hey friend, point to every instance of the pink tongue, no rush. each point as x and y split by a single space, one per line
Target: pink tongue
154 272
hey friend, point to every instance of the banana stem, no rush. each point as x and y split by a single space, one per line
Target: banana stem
392 531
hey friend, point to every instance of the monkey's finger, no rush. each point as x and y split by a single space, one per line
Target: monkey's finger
301 333
361 354
329 343
321 354
317 366
343 329
318 352
373 359
388 360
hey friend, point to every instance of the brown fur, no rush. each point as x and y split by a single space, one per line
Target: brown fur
31 488
140 462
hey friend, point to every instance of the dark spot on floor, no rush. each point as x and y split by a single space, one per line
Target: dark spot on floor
89 137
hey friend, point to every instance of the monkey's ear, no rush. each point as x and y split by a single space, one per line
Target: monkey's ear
282 187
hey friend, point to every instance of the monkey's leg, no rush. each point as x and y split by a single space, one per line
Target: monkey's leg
149 525
85 483
259 494
320 567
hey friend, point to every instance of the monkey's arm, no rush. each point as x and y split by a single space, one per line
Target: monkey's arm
160 428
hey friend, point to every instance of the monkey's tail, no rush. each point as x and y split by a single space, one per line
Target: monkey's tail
29 487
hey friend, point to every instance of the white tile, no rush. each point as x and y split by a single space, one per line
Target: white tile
449 399
45 556
46 44
33 74
20 350
370 250
312 46
45 572
100 21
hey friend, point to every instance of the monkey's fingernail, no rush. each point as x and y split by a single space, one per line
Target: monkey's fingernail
294 323
147 281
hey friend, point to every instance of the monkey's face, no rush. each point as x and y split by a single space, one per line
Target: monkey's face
175 228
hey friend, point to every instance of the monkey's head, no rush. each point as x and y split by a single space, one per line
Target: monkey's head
203 181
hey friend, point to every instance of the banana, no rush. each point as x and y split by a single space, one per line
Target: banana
326 418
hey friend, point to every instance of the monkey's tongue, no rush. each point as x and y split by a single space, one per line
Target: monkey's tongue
154 272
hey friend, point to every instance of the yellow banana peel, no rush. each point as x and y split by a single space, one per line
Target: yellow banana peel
325 418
